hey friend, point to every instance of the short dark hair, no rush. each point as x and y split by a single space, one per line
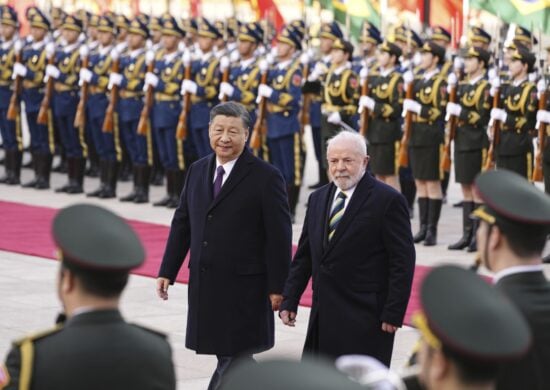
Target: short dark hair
104 284
232 109
470 371
525 240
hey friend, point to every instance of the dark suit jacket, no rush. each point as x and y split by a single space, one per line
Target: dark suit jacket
94 350
362 277
240 245
530 292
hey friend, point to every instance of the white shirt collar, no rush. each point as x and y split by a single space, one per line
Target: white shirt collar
71 48
246 63
385 72
341 68
284 64
518 82
475 80
169 57
206 56
227 167
429 75
104 50
38 45
326 59
7 44
82 310
516 270
136 52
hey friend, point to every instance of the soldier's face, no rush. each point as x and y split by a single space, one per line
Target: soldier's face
426 60
338 56
516 68
38 33
383 58
135 41
325 45
156 36
70 35
283 49
471 65
105 38
246 48
92 31
205 44
7 31
122 34
227 137
170 42
346 164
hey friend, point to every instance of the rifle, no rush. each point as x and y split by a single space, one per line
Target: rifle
143 124
224 66
258 131
495 125
108 123
181 131
80 117
403 158
306 102
15 106
364 113
43 113
537 171
453 121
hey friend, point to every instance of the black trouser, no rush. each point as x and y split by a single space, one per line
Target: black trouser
224 364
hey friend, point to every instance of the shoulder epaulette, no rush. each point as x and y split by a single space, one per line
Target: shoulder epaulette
38 335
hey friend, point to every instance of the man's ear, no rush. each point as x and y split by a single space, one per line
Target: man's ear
495 238
440 365
67 281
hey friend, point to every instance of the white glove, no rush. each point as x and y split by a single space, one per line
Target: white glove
149 57
492 73
115 54
543 116
451 79
151 79
263 65
412 106
364 73
189 86
186 58
366 102
334 118
532 77
115 79
19 70
453 109
85 76
304 58
320 68
226 89
458 63
224 63
18 46
495 84
120 47
313 76
50 49
541 86
234 56
84 51
265 91
498 114
52 71
408 77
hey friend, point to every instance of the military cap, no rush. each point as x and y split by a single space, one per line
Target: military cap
93 237
479 53
331 31
71 22
434 48
155 23
249 32
9 16
521 34
441 34
171 27
508 197
110 14
30 11
477 34
94 20
58 13
222 27
370 33
289 36
288 375
467 316
299 28
37 19
406 35
143 18
122 22
139 28
207 29
233 26
525 56
106 24
391 48
83 15
342 44
190 25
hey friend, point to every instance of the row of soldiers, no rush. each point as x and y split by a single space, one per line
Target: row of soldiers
143 88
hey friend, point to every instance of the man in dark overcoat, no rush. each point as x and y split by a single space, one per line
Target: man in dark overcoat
233 219
357 246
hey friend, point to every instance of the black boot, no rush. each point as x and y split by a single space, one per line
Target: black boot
434 211
293 193
445 185
94 170
16 177
111 178
63 165
132 195
408 189
125 169
467 225
34 163
157 175
79 169
102 180
142 191
423 215
70 174
472 246
169 189
8 168
179 178
44 171
323 179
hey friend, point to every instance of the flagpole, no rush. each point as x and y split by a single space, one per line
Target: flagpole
465 16
383 10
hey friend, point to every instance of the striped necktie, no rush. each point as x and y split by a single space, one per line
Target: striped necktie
336 214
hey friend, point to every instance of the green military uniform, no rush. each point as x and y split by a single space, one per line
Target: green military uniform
384 126
95 348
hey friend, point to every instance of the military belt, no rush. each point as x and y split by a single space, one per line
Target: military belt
94 90
347 109
60 87
165 97
124 94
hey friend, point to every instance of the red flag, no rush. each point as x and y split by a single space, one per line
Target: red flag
195 8
447 14
267 9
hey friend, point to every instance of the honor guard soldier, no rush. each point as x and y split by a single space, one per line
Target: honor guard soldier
385 105
524 37
32 69
284 93
57 17
472 111
468 331
130 81
426 138
517 116
369 41
318 70
93 40
95 347
543 119
10 128
107 144
65 71
409 42
478 37
155 28
166 80
122 25
191 28
244 75
226 44
203 87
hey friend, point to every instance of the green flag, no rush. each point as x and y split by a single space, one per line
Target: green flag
526 13
358 10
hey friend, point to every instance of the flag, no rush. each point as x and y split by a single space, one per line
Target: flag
267 10
527 13
447 14
358 11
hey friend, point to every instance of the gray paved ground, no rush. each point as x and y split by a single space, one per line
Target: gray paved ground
29 302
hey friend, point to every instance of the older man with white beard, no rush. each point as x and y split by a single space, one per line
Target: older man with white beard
357 245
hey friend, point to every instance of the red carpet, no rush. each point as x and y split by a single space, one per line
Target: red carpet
26 229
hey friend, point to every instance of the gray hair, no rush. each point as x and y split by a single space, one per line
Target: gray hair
357 140
232 109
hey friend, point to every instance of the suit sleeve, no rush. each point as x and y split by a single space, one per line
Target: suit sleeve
9 374
300 270
278 232
396 233
179 239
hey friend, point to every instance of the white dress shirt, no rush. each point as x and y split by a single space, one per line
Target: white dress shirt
227 167
518 269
